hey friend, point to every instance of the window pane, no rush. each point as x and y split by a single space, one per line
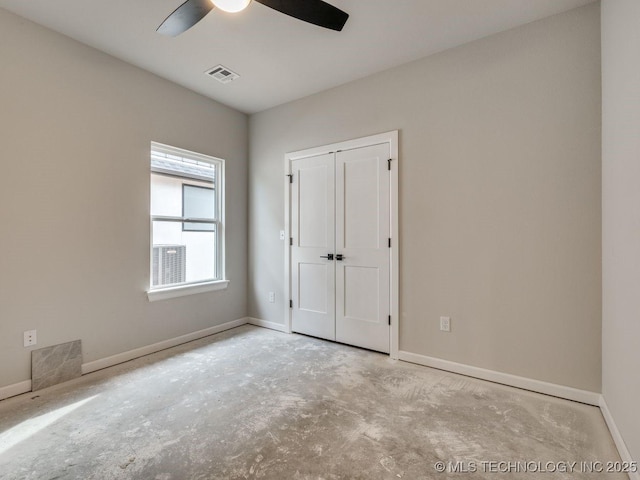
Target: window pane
169 192
198 202
180 257
166 196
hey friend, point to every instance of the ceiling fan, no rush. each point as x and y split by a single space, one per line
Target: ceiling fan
316 12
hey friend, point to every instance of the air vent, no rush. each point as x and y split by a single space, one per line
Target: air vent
222 74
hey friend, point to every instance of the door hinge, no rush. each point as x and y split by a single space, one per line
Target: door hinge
389 242
291 241
290 175
389 319
389 164
290 303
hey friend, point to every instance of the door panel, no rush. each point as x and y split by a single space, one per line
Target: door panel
315 226
312 296
313 233
362 235
361 284
361 212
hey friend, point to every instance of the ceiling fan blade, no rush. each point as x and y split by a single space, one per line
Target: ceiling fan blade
184 17
313 11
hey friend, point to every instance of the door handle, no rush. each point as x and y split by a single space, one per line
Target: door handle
328 256
339 257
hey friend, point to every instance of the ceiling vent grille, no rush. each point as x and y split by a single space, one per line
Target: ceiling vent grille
222 74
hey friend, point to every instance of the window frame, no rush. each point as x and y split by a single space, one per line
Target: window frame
207 285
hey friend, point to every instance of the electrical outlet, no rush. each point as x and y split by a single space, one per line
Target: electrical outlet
272 297
30 338
445 324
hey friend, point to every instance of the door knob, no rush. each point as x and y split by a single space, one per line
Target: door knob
328 256
339 257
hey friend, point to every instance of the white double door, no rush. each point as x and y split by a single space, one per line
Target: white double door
340 256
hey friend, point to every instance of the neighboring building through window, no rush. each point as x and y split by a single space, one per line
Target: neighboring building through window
198 202
187 218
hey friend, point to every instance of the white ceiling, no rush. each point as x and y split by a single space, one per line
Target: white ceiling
280 59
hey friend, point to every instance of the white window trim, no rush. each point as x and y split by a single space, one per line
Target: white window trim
210 285
184 290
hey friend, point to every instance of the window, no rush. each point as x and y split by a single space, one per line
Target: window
187 223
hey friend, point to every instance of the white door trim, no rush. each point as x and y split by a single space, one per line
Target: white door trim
392 139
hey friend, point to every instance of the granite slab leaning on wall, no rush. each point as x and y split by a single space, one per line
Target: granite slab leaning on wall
56 364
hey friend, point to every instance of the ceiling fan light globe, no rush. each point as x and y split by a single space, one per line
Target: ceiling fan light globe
231 6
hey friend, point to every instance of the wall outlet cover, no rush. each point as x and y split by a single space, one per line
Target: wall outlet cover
30 338
445 324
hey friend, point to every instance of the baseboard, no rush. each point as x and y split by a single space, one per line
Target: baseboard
265 324
569 393
15 389
156 347
625 455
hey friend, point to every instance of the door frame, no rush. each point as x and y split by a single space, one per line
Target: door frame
390 138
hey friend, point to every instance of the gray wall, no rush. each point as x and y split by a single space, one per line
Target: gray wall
500 211
621 215
74 198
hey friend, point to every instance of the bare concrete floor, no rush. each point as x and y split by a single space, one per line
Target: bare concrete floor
253 403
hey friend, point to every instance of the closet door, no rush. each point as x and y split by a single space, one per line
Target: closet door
362 247
313 234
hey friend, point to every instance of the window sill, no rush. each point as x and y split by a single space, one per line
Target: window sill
184 290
